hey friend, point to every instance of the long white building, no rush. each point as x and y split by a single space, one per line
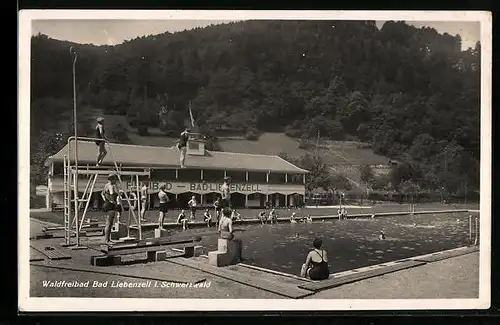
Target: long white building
255 179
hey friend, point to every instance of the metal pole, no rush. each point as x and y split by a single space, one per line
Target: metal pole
75 184
470 228
477 231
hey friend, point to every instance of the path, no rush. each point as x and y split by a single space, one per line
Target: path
456 277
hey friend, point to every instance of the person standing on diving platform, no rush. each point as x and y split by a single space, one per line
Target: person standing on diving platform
182 146
99 134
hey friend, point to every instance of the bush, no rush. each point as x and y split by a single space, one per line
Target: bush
143 130
292 132
252 134
305 144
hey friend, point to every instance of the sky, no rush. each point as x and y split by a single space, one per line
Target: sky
112 32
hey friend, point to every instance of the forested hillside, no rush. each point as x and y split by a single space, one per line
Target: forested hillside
413 93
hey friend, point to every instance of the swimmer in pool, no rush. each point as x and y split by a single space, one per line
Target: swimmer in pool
292 218
381 236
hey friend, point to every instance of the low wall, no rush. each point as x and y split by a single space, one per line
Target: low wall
199 224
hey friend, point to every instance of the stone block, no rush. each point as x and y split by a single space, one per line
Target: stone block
218 259
189 251
161 256
118 231
160 233
228 253
103 260
198 250
226 245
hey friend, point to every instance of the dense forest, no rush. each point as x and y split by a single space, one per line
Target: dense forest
411 92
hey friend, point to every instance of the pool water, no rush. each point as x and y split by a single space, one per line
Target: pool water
351 243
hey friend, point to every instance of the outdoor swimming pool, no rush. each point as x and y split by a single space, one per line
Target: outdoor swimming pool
351 243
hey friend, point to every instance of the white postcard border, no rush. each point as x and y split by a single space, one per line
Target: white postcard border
125 304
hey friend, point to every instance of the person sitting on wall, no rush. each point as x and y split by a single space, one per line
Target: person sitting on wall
342 213
262 217
182 219
109 195
273 217
316 265
207 217
235 216
226 229
307 219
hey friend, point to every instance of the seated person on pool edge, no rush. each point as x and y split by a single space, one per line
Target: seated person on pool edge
226 228
316 265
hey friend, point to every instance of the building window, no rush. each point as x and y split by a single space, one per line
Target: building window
162 174
296 179
189 175
254 196
211 175
237 176
277 178
256 177
58 169
193 145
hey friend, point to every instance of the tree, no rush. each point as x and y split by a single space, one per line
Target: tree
367 175
408 91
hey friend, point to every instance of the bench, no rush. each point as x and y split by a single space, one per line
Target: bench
227 253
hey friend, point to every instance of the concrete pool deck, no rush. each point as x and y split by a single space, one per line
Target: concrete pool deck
453 277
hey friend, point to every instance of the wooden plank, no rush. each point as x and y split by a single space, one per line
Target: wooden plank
51 252
129 273
35 256
447 254
289 291
153 242
338 281
144 249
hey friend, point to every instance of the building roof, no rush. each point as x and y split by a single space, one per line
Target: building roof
147 156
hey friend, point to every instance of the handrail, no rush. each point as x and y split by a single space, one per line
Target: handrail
116 171
86 139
